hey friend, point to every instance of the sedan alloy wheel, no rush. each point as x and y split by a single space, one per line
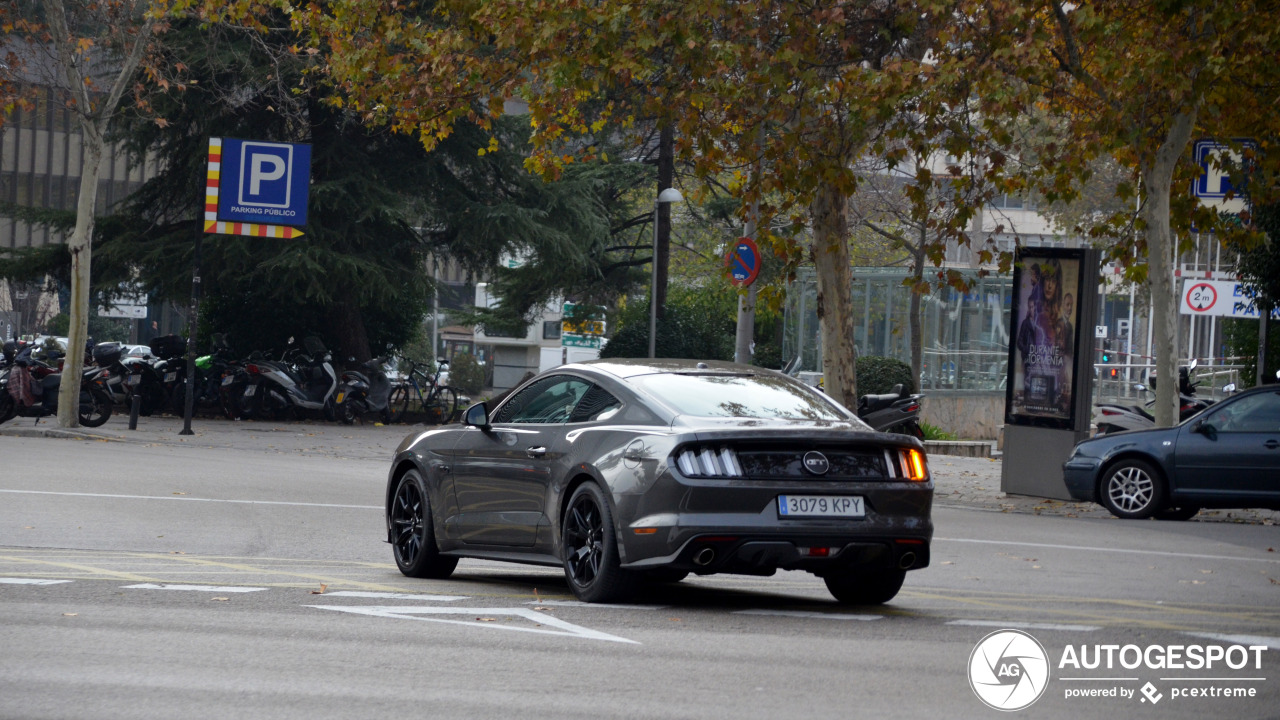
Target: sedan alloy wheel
590 549
1132 489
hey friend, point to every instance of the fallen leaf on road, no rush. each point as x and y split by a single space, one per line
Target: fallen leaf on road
219 599
179 493
75 614
1207 572
486 619
176 552
948 562
323 587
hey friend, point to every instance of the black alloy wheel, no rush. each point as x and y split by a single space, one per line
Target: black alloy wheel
865 588
413 541
590 548
1132 489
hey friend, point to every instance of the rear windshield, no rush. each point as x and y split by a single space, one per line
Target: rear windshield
750 396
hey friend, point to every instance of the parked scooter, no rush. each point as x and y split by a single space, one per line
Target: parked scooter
29 388
895 412
298 382
364 391
1114 417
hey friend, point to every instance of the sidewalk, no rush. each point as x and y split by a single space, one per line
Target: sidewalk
960 482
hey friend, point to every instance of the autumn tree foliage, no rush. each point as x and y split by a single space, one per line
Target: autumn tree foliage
1135 81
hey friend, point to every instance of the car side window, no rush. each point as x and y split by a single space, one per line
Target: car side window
596 404
1256 413
548 401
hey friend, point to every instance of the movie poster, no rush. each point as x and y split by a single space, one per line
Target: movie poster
1043 339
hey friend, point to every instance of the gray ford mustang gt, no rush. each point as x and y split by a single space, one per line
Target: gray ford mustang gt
627 471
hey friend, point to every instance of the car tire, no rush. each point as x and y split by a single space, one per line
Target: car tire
1132 489
589 548
1182 512
866 588
413 539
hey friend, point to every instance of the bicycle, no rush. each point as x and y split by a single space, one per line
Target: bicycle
438 404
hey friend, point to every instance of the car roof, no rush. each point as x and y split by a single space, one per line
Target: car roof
625 368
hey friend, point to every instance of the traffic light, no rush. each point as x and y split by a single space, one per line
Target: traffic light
1106 352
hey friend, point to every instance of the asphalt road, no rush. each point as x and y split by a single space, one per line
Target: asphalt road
249 579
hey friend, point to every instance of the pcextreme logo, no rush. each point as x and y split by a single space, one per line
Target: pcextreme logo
1009 670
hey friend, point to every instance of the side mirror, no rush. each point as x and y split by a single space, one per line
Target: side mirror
1191 367
1206 429
477 416
1229 388
1139 387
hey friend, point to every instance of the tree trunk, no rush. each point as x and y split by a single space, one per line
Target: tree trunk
914 323
830 253
1162 250
81 247
666 174
349 331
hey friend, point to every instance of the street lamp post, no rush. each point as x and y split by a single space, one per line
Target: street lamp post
669 195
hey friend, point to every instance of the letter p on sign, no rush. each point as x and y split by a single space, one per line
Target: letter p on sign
264 174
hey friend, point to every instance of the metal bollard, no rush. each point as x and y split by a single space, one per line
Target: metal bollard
134 408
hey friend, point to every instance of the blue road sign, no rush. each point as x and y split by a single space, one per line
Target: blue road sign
1213 183
743 262
264 182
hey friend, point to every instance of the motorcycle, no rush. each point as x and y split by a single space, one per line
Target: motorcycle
896 412
363 391
1114 417
298 382
29 388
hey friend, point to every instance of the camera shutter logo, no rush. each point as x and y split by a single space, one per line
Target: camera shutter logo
1008 670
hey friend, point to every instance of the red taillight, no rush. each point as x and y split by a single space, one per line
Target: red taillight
815 551
252 369
1110 412
912 408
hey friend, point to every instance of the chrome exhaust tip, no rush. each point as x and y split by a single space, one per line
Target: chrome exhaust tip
704 557
907 560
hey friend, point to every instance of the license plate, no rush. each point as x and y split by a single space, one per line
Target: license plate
340 396
170 377
135 379
248 392
228 380
820 506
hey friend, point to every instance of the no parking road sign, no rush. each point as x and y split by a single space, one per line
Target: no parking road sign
743 262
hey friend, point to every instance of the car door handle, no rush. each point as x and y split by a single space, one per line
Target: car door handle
1272 444
536 452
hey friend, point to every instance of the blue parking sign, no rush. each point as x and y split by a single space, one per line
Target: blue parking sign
264 182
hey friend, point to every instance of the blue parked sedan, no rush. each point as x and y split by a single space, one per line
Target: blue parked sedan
1226 457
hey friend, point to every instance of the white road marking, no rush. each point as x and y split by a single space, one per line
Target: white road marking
1271 642
416 613
579 603
1091 548
198 588
1028 626
394 596
29 581
191 499
803 614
